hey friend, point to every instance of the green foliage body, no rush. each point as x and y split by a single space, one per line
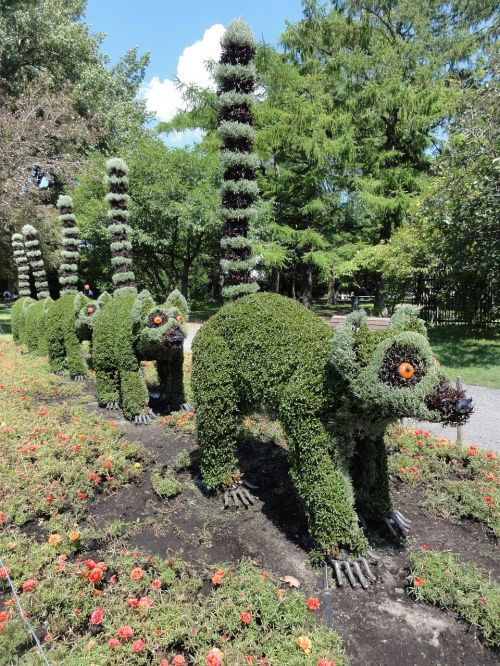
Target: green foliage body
36 327
18 319
266 350
65 351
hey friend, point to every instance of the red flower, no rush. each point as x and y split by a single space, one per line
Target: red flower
48 638
156 584
326 662
137 573
138 645
96 617
29 585
113 642
413 469
132 602
179 660
490 477
489 500
491 455
312 603
4 616
95 575
217 577
89 564
125 631
249 658
419 582
82 496
4 571
424 546
246 617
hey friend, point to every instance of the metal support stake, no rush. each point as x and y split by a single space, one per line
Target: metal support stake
459 427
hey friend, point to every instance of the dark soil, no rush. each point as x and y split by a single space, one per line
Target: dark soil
380 626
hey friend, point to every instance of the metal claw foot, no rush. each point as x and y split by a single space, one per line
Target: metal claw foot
79 378
239 496
60 373
143 419
186 407
112 405
396 519
354 570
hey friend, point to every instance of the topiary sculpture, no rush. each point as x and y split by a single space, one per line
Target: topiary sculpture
18 315
35 328
335 392
64 349
131 327
235 76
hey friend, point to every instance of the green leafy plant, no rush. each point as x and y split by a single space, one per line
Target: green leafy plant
165 484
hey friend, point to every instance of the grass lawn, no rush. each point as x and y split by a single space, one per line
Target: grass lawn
472 355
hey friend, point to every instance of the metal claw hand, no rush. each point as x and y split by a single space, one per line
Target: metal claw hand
396 518
112 405
353 569
239 496
186 407
143 419
79 378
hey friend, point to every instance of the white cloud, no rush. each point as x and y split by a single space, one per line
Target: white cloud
162 97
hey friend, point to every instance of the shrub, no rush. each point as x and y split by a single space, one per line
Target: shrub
165 484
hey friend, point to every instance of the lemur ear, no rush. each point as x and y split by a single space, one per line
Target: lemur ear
104 298
176 300
142 305
79 301
406 319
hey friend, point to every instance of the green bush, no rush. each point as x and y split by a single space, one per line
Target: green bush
65 351
334 393
18 319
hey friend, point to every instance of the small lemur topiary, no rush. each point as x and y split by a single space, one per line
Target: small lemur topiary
335 393
35 328
131 327
65 351
18 316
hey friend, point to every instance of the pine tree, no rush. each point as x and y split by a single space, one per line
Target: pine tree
35 260
121 246
22 265
235 76
68 271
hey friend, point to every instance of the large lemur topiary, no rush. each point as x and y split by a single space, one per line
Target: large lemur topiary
35 320
131 328
18 316
65 351
235 76
335 392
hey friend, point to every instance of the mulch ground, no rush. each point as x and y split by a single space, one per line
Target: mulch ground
380 626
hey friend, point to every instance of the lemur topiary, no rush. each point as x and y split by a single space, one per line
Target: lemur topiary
131 327
65 351
235 75
18 316
335 393
35 312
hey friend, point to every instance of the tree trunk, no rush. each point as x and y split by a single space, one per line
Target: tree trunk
275 280
307 288
331 290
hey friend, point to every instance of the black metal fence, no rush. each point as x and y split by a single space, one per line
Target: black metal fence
442 301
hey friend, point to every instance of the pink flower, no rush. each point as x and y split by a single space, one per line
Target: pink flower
138 645
156 584
113 643
214 657
137 573
326 662
125 631
133 603
145 602
246 617
29 585
4 572
96 617
179 660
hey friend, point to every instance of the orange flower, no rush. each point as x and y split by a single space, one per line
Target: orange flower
246 617
304 644
74 536
54 539
217 577
312 603
214 657
419 582
137 573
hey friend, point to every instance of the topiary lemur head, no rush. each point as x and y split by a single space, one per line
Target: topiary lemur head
394 374
163 327
87 312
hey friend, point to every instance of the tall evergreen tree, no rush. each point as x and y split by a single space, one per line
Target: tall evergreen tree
35 260
68 270
121 246
235 76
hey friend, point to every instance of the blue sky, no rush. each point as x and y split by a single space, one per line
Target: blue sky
181 37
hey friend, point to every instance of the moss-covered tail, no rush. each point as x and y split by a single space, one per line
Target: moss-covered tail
121 257
68 270
35 261
22 264
235 76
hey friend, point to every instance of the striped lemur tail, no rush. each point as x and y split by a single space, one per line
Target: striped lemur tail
35 260
68 270
21 260
121 246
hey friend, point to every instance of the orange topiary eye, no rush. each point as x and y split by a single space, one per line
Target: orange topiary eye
90 309
406 370
158 320
180 319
